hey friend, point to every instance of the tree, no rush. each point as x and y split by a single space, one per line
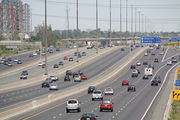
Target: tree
15 35
1 37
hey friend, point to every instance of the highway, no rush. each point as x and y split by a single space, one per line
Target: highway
90 70
127 105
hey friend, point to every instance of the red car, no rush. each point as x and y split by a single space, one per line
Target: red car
125 82
106 105
83 77
153 54
65 58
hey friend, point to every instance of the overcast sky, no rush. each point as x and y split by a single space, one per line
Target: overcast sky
163 14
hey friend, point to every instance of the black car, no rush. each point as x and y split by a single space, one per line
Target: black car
145 63
67 78
151 66
25 72
83 53
79 55
56 66
156 60
70 59
9 64
174 60
19 62
88 116
122 49
157 78
61 63
91 89
69 72
9 59
145 77
131 88
154 83
45 84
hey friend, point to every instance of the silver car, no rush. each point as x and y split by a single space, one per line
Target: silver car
72 105
53 87
77 78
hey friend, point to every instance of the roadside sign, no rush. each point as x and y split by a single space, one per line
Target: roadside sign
175 94
174 40
177 83
178 71
150 40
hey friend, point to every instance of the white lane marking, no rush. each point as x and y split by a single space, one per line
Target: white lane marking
171 56
158 91
165 55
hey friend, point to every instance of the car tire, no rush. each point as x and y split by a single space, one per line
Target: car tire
111 110
67 111
92 99
100 110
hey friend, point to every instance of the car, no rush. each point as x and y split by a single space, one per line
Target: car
45 84
79 55
138 64
31 55
88 116
53 86
72 105
135 73
16 60
61 63
125 82
19 62
145 54
106 105
154 83
83 53
122 49
156 60
133 67
76 53
97 95
145 63
43 66
67 78
9 64
34 54
70 59
157 78
54 78
84 77
41 63
145 77
24 72
174 60
108 91
91 89
151 66
153 54
77 78
65 58
75 73
22 76
69 72
131 88
162 53
55 66
169 62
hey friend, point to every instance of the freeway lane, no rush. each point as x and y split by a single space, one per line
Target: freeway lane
90 70
35 70
127 106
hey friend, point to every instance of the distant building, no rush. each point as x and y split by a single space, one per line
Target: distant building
14 16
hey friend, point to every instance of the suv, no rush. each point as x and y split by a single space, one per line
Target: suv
45 84
97 95
72 105
131 88
157 78
91 89
25 72
154 83
134 73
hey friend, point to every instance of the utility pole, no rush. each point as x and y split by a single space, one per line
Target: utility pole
126 15
139 22
110 24
46 69
67 20
120 19
77 35
135 20
97 26
132 19
142 23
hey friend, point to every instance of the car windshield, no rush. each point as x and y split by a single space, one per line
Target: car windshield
97 92
108 89
106 102
72 101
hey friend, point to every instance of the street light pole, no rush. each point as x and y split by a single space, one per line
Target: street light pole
126 15
110 24
139 22
97 26
46 69
120 19
77 35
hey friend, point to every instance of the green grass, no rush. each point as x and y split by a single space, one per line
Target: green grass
175 113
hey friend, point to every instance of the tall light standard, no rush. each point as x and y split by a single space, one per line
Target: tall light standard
110 24
142 23
139 21
132 19
97 26
126 15
77 27
46 69
120 19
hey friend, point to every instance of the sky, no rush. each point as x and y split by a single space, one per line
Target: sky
162 15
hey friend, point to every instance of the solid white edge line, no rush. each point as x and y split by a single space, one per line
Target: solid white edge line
158 91
165 55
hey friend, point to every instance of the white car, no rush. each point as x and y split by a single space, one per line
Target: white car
16 60
162 53
138 64
41 63
23 77
35 54
169 62
72 105
97 95
53 87
145 54
54 78
77 78
108 91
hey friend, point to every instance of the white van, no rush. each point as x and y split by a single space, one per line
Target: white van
148 71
